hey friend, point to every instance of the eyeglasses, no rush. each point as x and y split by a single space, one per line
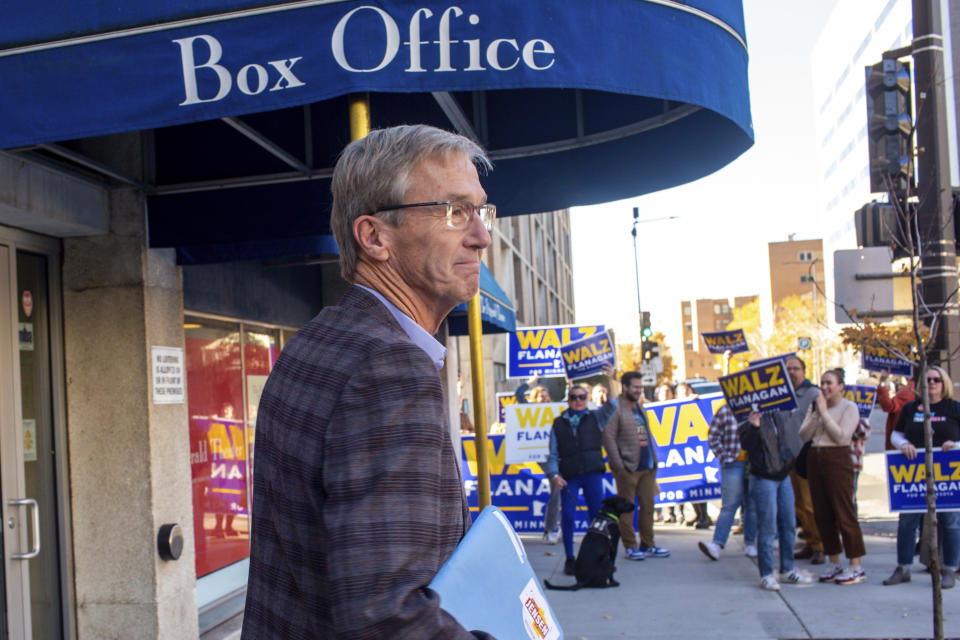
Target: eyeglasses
459 213
931 380
577 396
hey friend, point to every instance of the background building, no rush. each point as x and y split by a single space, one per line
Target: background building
700 316
796 268
854 37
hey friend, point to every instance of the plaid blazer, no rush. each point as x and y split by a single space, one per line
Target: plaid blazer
357 501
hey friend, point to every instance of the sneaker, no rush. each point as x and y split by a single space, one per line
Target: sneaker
552 537
831 573
852 576
796 577
635 554
769 583
948 578
656 552
710 549
569 565
751 550
900 575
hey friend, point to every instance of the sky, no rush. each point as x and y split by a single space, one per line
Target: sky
717 247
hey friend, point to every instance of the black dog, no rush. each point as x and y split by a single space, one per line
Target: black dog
598 551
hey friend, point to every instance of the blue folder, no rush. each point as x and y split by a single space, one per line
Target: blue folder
489 585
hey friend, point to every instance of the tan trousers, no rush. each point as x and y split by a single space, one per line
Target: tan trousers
804 507
643 485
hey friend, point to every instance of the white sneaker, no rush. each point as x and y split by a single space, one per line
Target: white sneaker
710 549
796 577
751 551
552 537
769 582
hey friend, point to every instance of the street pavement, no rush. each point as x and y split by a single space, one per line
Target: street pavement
690 596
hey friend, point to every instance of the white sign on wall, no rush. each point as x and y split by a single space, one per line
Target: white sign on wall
169 380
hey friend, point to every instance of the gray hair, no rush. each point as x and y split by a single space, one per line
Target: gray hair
374 172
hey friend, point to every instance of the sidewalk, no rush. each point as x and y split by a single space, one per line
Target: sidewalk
690 596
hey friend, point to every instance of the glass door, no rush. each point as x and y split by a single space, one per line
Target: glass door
28 451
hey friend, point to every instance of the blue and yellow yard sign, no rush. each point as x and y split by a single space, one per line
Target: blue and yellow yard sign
907 481
763 387
864 396
536 350
875 358
719 341
587 357
504 399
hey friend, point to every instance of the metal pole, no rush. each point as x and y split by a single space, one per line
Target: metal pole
359 115
479 400
938 259
636 269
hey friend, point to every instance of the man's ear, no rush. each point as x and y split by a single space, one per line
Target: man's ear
373 239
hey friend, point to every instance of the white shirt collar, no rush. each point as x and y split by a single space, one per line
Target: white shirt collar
434 350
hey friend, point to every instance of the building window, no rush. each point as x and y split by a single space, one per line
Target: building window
721 308
688 326
686 310
499 371
227 364
807 277
688 345
720 325
805 256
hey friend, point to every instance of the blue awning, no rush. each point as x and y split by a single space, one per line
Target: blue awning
496 310
578 102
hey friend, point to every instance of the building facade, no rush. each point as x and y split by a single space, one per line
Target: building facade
854 37
705 315
796 268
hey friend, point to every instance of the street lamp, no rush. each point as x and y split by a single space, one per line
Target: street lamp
636 261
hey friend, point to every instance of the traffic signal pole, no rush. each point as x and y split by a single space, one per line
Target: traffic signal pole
938 260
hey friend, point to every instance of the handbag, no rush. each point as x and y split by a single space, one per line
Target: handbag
801 463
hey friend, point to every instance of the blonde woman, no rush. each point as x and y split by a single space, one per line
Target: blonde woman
830 425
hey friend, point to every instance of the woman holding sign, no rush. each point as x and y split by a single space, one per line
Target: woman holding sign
908 437
830 425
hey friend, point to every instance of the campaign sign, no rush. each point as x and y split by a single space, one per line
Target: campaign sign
880 359
864 396
687 469
218 464
504 399
764 388
719 341
527 430
783 357
536 350
521 491
907 486
587 357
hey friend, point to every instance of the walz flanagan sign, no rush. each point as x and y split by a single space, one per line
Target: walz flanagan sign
762 388
536 350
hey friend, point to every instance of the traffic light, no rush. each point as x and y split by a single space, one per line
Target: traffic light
889 124
645 330
649 350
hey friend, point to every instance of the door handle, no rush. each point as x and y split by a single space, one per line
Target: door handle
31 504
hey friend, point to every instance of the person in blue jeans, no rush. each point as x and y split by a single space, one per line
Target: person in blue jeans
724 440
576 459
907 436
762 437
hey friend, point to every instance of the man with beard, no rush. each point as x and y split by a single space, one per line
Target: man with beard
633 460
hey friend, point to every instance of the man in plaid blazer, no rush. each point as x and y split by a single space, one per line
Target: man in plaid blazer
357 496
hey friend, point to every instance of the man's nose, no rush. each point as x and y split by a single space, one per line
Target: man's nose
477 235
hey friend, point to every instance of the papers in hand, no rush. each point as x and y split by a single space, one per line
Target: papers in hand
489 585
